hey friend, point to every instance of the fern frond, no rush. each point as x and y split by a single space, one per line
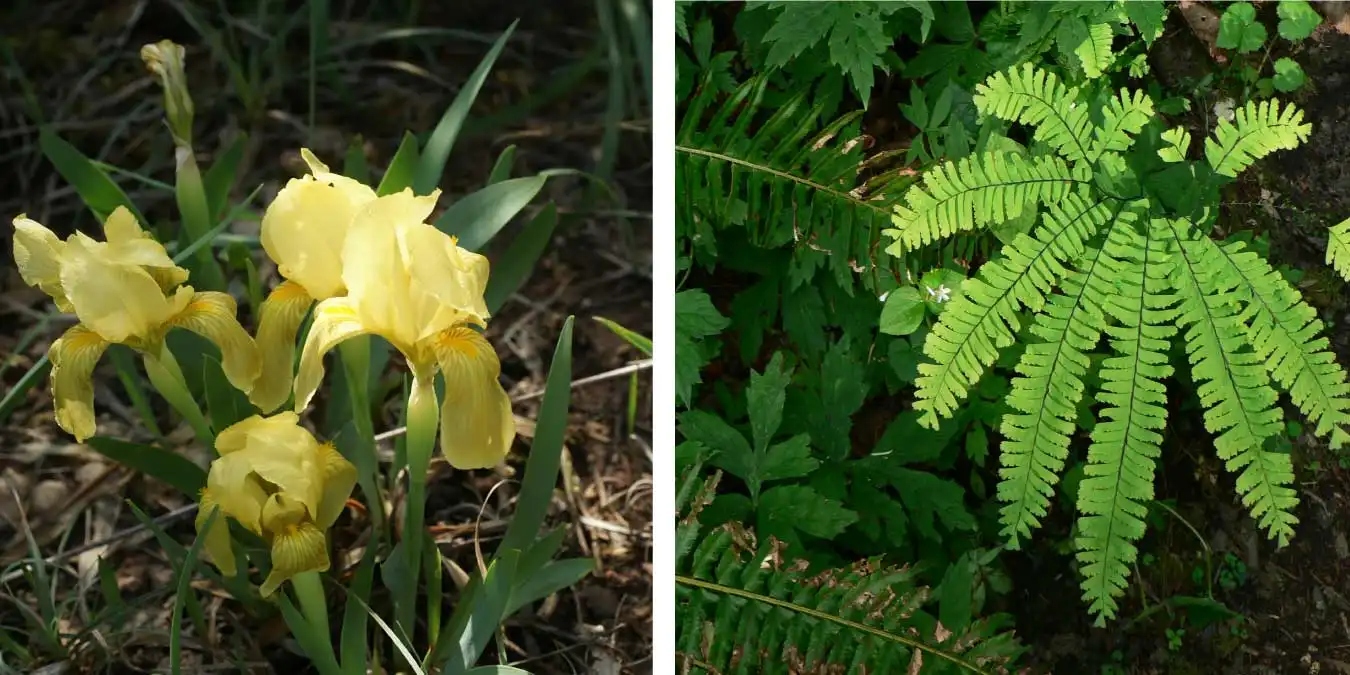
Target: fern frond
740 608
983 320
977 191
1257 130
1038 98
1122 117
1046 392
1095 50
1118 478
1338 248
787 179
1286 333
1233 384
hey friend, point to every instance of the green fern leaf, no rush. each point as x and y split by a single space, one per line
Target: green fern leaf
1118 479
1095 51
1122 117
978 191
1233 384
1257 130
1045 394
983 320
1286 333
1038 98
1338 248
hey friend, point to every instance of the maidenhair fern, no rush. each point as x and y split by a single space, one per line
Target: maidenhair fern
742 608
1122 252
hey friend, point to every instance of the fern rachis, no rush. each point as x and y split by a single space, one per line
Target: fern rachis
1146 273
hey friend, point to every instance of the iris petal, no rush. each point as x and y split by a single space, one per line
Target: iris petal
335 320
281 316
37 254
211 314
73 358
339 477
295 549
477 425
217 539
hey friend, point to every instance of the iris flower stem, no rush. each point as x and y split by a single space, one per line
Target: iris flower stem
313 604
167 378
423 418
356 362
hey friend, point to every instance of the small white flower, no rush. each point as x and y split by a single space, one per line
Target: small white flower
883 296
1224 109
940 294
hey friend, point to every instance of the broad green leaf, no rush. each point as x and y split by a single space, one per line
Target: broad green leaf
551 578
436 151
1298 20
169 467
223 174
804 320
929 499
764 401
501 170
843 388
783 511
354 652
477 218
1288 75
643 344
399 175
905 441
903 312
730 450
224 404
516 265
695 319
955 595
1239 29
1148 17
478 615
95 188
904 360
788 459
541 469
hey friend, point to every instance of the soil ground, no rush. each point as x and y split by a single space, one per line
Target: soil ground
85 77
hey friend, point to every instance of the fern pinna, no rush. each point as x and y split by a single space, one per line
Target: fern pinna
742 608
1121 252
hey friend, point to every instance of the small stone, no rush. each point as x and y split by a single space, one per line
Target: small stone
1342 548
47 497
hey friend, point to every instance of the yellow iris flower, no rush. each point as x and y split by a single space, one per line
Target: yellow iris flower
303 231
125 290
414 286
278 481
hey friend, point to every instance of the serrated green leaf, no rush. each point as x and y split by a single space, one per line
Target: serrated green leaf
764 401
1298 20
788 509
1288 75
843 388
731 451
955 594
789 459
695 318
1147 16
1239 29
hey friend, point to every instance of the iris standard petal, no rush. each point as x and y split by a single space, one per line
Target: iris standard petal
281 315
237 436
359 193
477 425
129 244
37 254
298 545
339 477
303 231
73 358
234 487
455 277
375 269
117 301
279 451
211 314
335 320
217 538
